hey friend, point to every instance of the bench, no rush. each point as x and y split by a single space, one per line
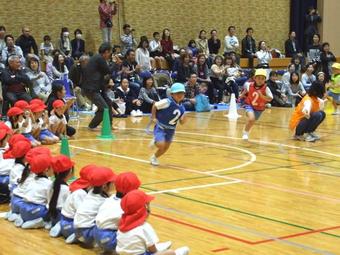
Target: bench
275 63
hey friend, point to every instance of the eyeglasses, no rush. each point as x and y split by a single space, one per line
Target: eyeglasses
26 31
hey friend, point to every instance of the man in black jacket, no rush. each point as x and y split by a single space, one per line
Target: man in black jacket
15 82
94 83
27 42
292 47
249 47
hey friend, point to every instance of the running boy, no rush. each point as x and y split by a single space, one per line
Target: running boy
166 113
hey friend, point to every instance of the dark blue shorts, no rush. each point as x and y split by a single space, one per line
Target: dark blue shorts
163 134
31 211
85 235
249 108
16 204
66 226
45 133
106 238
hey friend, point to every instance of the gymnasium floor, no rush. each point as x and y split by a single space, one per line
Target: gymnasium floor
216 193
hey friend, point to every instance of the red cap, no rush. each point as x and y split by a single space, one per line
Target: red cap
135 213
19 150
38 107
38 151
22 104
40 163
14 111
101 175
13 140
58 103
61 164
37 101
126 182
4 130
83 181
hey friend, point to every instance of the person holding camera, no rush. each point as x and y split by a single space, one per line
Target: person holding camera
127 39
312 20
106 10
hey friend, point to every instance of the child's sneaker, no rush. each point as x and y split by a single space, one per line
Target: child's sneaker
154 161
163 246
309 138
182 251
337 112
245 136
71 239
56 230
133 113
316 136
299 137
18 221
37 223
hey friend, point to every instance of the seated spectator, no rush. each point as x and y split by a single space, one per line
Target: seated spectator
130 70
217 76
57 119
156 50
202 43
115 64
27 42
2 40
128 97
292 46
127 39
191 90
263 54
65 47
202 69
192 46
40 82
59 68
249 47
202 100
143 55
321 78
58 93
314 52
279 98
297 63
148 94
110 94
168 48
214 44
234 73
327 59
11 49
177 60
231 43
15 82
77 44
286 76
76 76
308 77
295 91
46 49
185 68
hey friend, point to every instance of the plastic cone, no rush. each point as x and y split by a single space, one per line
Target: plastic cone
329 108
232 114
106 132
64 148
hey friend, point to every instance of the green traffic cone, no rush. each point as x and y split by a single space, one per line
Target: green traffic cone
64 148
106 132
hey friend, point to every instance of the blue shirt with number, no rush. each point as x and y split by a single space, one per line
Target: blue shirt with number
168 113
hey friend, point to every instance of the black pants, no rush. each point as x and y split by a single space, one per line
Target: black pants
13 97
219 88
232 87
102 102
250 60
311 124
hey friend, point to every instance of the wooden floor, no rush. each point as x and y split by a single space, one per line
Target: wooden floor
216 193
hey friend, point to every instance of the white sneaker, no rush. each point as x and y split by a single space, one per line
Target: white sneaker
336 112
268 105
71 239
163 246
299 137
133 113
245 136
94 108
182 251
48 225
154 161
56 230
18 221
37 223
309 138
13 216
316 136
139 113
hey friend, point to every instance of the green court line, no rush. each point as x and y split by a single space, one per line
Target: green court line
242 212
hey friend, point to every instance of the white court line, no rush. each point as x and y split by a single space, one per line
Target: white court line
192 187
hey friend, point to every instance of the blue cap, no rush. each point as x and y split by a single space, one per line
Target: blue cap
145 75
177 87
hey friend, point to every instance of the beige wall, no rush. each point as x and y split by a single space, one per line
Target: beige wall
329 28
270 19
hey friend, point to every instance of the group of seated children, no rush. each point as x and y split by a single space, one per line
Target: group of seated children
100 208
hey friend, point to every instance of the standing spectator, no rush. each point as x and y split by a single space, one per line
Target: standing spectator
312 20
308 77
2 39
27 42
314 51
130 70
77 44
11 49
143 55
231 43
106 11
76 75
15 82
168 48
46 49
214 43
94 84
249 47
65 47
327 59
292 47
202 43
263 54
40 82
127 39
